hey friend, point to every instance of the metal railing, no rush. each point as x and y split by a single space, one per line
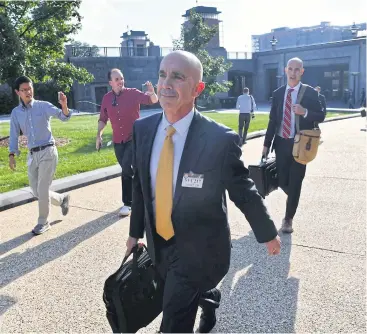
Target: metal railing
94 51
135 51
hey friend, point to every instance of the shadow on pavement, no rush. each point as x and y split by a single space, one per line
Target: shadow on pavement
18 264
6 302
257 293
20 240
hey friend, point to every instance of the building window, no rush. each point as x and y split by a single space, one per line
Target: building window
327 74
346 80
130 48
140 50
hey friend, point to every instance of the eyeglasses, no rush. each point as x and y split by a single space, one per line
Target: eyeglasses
25 90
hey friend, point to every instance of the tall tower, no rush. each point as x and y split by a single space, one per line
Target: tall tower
210 16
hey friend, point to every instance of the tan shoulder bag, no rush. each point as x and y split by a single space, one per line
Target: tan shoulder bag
306 142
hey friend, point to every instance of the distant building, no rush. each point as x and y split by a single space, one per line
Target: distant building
294 37
210 16
334 58
135 43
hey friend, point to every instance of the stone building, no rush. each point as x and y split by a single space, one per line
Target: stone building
337 66
294 37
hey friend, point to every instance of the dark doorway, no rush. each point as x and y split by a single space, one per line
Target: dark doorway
240 80
99 92
333 80
272 80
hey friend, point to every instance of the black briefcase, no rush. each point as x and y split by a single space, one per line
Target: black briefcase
265 176
133 295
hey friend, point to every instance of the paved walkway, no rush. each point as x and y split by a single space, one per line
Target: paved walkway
54 282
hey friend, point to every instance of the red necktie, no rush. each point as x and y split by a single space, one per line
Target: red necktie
287 115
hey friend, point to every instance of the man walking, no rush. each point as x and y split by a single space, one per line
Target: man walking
321 98
246 105
32 117
281 131
183 164
122 107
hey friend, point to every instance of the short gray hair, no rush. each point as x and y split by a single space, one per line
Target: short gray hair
299 60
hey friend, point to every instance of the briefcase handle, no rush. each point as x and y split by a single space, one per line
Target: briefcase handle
264 159
135 251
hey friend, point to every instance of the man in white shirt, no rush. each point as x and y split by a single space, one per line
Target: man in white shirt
246 105
183 164
282 129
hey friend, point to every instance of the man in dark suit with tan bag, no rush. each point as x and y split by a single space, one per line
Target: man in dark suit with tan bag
286 111
183 164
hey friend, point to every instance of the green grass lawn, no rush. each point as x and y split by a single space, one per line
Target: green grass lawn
80 154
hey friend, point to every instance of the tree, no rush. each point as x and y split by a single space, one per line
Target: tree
195 39
32 38
84 49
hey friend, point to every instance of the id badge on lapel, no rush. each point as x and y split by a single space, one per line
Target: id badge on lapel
192 180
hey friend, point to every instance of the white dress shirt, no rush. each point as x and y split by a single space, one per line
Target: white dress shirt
244 103
293 116
179 139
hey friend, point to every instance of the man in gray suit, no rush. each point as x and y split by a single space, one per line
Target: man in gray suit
183 164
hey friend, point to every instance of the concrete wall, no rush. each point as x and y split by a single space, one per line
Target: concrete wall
352 53
136 70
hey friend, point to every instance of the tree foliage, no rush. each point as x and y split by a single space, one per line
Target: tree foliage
32 38
84 49
195 39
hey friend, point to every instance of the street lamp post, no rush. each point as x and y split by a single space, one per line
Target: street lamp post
354 74
273 42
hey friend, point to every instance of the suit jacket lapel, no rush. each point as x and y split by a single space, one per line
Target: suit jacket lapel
194 146
281 99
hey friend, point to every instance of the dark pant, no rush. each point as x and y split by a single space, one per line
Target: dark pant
123 152
180 297
290 174
243 124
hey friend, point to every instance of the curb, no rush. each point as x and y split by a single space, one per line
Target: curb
22 196
339 118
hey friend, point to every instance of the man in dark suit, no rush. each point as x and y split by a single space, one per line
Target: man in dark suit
183 163
281 131
321 98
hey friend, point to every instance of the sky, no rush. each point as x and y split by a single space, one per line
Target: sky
104 21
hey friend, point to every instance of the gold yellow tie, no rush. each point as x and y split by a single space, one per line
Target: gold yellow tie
164 188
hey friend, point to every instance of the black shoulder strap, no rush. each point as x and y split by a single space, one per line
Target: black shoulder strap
299 99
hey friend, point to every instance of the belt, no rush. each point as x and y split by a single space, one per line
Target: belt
40 148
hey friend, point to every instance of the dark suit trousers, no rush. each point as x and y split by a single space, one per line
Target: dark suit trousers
180 298
123 152
244 120
290 174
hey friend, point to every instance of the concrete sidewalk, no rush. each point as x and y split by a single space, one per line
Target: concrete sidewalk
54 282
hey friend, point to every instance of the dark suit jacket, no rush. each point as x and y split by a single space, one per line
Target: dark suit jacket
310 101
323 102
199 216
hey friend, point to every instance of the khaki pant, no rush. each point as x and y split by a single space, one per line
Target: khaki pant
41 170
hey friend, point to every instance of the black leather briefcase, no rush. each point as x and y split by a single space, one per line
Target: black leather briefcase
133 295
265 176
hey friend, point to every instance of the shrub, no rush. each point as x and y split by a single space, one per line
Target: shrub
6 103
